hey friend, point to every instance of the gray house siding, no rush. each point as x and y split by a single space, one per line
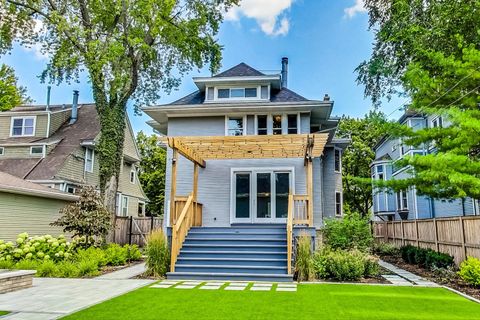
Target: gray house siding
214 181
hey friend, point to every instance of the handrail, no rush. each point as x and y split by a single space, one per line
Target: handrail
289 233
300 210
180 229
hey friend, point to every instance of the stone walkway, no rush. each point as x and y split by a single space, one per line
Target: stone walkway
403 277
52 298
220 285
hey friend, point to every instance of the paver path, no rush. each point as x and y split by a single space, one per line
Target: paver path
225 285
126 273
52 298
412 278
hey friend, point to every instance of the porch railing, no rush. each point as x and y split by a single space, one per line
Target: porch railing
190 215
298 214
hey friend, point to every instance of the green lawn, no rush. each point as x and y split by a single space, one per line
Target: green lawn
2 313
327 301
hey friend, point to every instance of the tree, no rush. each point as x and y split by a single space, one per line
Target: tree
11 95
131 49
365 133
152 171
87 217
431 50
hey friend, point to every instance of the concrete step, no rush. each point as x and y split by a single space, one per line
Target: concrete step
230 269
233 254
236 241
273 248
272 230
229 276
222 261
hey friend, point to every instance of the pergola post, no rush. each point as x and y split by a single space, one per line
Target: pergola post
195 190
173 187
310 191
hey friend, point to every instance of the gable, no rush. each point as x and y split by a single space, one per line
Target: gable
240 70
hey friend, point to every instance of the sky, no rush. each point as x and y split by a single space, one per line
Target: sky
325 40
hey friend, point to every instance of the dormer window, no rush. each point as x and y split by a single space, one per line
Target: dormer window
216 94
23 126
237 93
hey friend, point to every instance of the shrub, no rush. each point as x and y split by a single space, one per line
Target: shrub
427 258
67 269
385 249
6 264
26 265
133 252
96 255
408 253
344 265
352 231
87 217
435 259
87 268
303 259
470 271
116 255
47 268
158 254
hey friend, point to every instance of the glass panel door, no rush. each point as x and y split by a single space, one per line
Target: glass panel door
282 189
264 195
242 195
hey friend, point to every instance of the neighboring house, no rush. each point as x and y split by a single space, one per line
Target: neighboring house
407 204
55 146
29 207
246 142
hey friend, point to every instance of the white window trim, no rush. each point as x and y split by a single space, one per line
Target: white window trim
144 205
401 193
257 98
438 119
341 203
126 205
134 171
93 159
42 153
2 151
270 122
23 126
339 158
244 129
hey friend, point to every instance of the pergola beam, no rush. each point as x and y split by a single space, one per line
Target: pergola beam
185 151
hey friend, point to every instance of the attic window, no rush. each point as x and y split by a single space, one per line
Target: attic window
23 126
36 150
2 151
237 93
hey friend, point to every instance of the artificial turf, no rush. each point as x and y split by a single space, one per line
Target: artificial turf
2 313
311 301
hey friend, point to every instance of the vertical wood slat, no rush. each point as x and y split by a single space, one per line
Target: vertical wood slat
457 236
310 191
290 233
173 185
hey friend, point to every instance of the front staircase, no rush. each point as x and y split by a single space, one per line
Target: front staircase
241 252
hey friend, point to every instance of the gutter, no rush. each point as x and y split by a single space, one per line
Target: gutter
39 193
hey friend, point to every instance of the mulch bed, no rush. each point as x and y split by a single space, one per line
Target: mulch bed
451 281
109 269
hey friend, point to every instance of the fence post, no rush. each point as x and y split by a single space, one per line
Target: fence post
151 224
436 235
403 233
130 231
464 247
416 233
386 231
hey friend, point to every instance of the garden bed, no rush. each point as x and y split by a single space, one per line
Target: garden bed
451 280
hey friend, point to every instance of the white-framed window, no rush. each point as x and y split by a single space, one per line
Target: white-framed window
133 173
437 122
261 124
141 208
124 206
292 123
237 93
71 189
276 124
89 159
23 126
338 203
35 150
235 125
378 172
210 93
338 160
402 200
2 151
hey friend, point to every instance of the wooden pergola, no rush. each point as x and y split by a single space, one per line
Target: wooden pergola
199 149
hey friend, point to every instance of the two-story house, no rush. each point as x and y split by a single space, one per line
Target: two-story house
255 158
407 204
54 145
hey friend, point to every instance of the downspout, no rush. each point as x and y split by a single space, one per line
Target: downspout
432 206
463 207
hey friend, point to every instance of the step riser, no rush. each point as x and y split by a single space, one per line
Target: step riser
271 249
219 263
238 255
213 242
174 276
239 230
220 269
253 236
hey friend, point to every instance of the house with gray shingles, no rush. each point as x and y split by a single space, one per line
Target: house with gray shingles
54 146
250 164
407 204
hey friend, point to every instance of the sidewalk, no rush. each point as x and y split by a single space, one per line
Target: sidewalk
403 277
53 298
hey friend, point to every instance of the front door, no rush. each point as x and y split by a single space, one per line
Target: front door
261 196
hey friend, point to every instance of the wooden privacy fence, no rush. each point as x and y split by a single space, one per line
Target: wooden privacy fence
457 236
134 230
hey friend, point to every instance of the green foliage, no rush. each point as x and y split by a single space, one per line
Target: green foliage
385 249
47 268
470 271
158 254
304 269
87 217
352 231
67 269
364 133
11 95
426 258
430 49
344 265
87 268
133 252
131 50
36 248
152 172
